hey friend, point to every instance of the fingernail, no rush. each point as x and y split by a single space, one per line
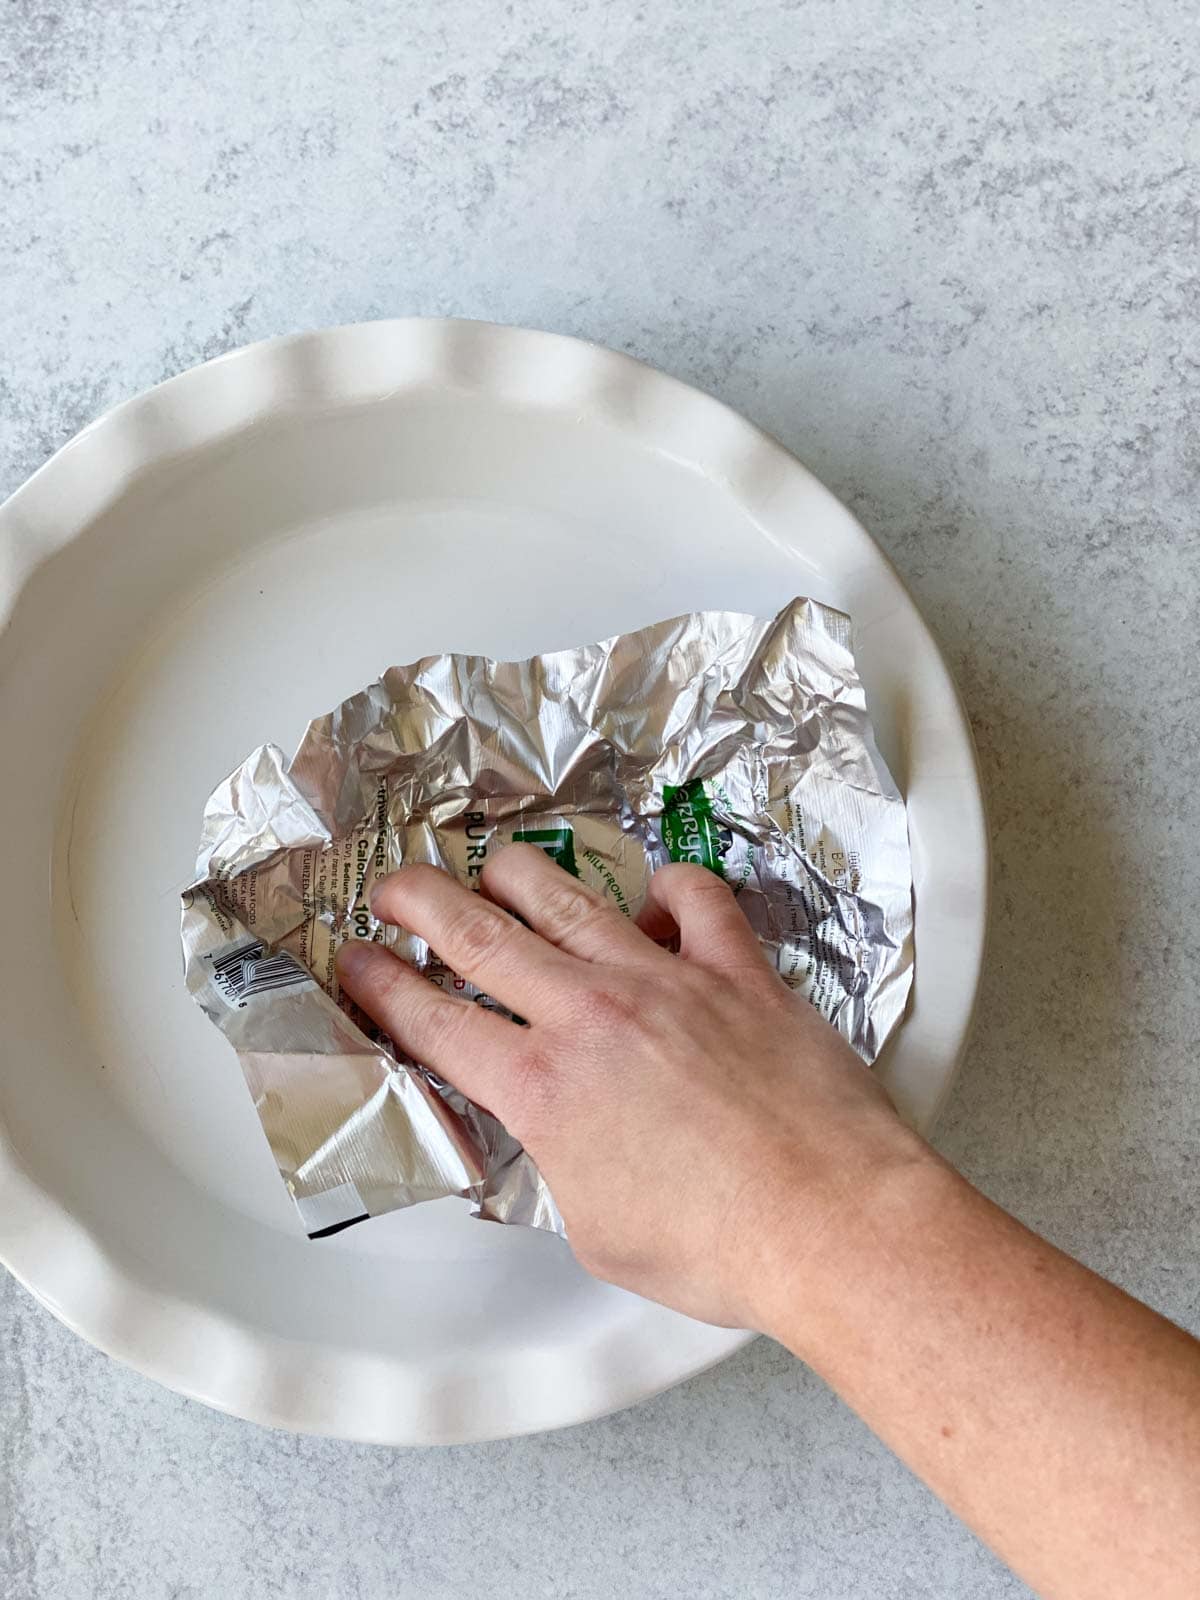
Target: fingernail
354 957
377 889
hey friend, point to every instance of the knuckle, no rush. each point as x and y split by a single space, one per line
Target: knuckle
566 905
704 884
693 880
608 1006
385 984
476 932
531 1077
406 1000
441 1017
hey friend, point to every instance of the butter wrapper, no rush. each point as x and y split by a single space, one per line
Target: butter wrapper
739 744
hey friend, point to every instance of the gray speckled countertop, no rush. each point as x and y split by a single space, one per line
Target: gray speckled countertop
946 252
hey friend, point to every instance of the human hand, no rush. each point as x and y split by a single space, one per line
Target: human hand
700 1126
714 1144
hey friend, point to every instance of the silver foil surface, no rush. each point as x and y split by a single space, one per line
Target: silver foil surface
718 738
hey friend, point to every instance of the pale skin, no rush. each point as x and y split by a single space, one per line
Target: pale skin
756 1174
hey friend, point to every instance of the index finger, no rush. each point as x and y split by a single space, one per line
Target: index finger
479 940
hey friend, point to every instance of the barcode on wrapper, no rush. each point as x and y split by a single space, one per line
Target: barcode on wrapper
247 970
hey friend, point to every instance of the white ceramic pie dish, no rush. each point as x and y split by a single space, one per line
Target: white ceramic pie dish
209 566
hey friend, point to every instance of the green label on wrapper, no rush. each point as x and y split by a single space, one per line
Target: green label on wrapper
558 843
690 831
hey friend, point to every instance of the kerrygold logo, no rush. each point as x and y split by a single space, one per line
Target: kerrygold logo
558 843
690 831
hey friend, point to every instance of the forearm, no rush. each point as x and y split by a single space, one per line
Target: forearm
755 1172
1056 1415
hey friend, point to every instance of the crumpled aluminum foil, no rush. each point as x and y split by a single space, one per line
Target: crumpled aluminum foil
717 738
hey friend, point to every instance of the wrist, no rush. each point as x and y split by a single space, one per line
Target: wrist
817 1243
